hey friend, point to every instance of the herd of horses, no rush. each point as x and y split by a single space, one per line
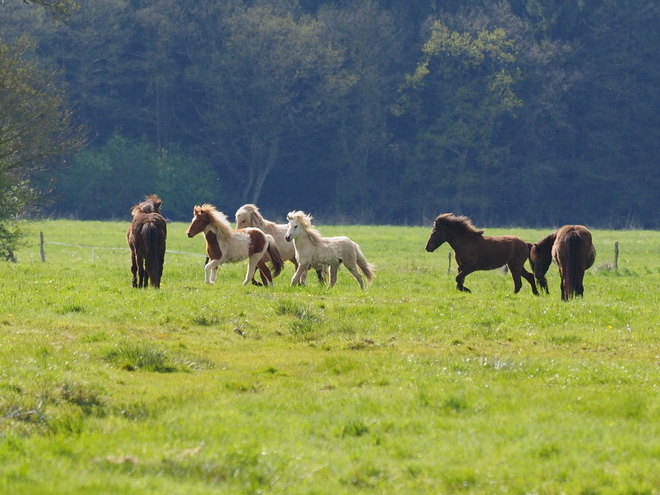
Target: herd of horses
263 243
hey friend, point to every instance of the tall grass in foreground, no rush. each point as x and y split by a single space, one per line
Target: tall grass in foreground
408 387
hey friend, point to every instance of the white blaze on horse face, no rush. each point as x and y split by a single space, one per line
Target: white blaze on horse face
194 228
291 231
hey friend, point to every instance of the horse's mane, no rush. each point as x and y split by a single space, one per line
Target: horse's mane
151 204
547 242
216 218
457 223
306 223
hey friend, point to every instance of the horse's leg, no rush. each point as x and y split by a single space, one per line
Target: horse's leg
146 273
530 278
210 272
253 261
579 288
356 273
264 273
333 274
142 272
564 286
320 273
462 273
517 282
134 268
299 276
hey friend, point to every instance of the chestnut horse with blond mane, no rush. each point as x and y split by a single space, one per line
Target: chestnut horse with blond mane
571 247
146 237
225 245
314 251
474 251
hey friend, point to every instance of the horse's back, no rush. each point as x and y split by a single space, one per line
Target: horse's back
574 241
496 251
238 245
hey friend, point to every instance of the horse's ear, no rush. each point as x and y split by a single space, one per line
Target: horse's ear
196 210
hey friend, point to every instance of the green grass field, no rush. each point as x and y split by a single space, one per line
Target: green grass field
408 387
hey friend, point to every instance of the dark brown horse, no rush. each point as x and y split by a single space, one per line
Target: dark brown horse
540 258
146 237
474 251
571 247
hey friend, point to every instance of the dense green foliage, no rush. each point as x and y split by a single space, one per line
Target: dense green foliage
527 113
36 130
408 387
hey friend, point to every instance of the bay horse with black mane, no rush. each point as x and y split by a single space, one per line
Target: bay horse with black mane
474 251
571 247
223 244
146 237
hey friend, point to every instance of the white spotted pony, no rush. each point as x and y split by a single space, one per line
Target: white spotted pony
223 245
249 216
314 251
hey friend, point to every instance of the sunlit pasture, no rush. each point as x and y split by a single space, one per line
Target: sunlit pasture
409 386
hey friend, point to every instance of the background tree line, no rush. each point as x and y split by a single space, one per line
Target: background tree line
533 113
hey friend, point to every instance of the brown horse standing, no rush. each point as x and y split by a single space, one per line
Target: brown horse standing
571 247
146 237
474 251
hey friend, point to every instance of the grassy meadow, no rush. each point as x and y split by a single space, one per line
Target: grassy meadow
407 387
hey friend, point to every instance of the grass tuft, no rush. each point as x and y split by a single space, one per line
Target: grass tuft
144 356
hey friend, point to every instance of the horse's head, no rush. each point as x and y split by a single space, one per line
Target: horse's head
297 223
152 202
248 216
438 237
201 219
540 259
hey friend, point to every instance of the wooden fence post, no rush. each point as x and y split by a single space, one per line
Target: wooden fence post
616 255
41 247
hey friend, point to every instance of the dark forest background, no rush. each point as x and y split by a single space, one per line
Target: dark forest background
522 112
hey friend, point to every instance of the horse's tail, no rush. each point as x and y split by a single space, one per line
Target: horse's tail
154 239
366 267
572 261
275 257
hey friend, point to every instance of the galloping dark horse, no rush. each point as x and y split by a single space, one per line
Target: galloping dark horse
474 251
572 249
146 237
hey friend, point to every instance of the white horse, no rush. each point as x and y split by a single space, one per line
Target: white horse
224 245
314 251
249 216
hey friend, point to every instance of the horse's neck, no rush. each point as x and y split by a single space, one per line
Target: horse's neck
458 239
312 237
303 241
271 227
221 234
